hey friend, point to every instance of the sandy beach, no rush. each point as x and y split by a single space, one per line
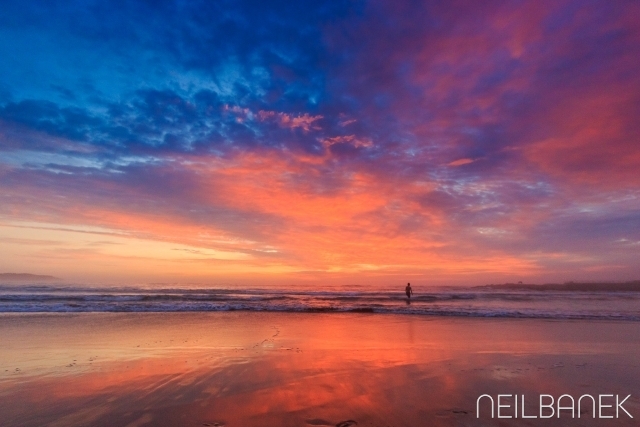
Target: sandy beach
287 369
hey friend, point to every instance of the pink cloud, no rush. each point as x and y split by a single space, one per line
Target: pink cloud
349 139
460 162
344 123
305 121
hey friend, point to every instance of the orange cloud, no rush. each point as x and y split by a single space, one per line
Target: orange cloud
360 225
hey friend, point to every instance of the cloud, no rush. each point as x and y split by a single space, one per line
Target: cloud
304 121
330 136
461 162
348 139
344 123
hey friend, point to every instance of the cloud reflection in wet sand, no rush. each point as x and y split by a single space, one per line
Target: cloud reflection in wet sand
289 369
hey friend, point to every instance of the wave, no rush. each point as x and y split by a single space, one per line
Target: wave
444 302
519 314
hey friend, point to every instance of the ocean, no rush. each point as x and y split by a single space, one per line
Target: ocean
445 301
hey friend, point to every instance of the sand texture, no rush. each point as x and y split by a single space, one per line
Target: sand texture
285 369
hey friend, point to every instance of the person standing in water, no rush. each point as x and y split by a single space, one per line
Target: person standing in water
408 290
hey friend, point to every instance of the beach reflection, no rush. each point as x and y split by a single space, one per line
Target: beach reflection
298 369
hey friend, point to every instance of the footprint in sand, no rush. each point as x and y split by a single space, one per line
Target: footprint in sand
446 413
319 422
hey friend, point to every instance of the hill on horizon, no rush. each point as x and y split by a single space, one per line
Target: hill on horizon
26 277
630 286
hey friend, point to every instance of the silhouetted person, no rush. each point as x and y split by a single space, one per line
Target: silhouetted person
408 290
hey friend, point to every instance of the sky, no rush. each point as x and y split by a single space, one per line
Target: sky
322 142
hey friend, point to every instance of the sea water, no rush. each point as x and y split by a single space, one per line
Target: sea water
451 301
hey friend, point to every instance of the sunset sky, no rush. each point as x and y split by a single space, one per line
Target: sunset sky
320 142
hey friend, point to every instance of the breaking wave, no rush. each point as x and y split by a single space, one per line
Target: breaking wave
469 302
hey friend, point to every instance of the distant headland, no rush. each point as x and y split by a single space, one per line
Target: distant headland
25 277
631 286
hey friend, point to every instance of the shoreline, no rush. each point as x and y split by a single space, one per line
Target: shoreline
431 315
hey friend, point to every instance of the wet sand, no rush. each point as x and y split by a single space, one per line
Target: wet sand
286 369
